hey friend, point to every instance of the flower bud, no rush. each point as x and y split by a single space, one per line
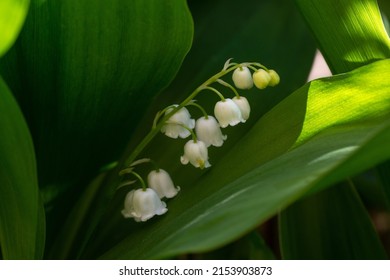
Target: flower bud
196 153
275 79
261 78
227 113
242 78
209 131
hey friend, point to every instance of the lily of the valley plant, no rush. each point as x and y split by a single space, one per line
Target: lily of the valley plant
175 121
127 133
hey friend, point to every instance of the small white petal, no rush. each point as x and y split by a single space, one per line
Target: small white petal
173 127
243 104
147 204
128 205
161 182
143 204
209 131
227 113
196 153
242 78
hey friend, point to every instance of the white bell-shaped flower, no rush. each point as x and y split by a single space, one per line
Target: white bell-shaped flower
242 78
243 104
129 205
160 181
275 79
143 204
196 153
227 113
209 131
261 78
173 127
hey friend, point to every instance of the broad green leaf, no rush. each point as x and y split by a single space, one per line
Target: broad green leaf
12 16
263 173
224 29
333 224
84 73
21 215
354 38
250 247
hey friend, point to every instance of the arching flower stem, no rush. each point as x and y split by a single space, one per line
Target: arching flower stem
204 113
222 82
217 92
135 174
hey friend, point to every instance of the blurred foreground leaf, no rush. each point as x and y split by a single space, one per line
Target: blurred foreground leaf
12 16
21 211
349 33
330 225
84 73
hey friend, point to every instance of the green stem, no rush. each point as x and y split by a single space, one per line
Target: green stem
217 92
249 64
222 82
139 179
206 116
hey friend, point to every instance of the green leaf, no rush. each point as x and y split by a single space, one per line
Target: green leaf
267 166
84 73
21 213
12 16
333 224
354 38
250 247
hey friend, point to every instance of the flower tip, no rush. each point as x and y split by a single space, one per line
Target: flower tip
275 79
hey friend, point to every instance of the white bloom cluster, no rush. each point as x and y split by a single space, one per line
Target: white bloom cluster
227 112
146 202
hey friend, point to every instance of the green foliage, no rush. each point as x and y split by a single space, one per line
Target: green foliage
21 218
12 16
86 79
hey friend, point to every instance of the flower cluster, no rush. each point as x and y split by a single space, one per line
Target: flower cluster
175 121
227 112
